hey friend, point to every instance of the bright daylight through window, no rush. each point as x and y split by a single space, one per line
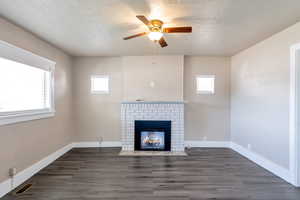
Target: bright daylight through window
206 84
23 87
100 84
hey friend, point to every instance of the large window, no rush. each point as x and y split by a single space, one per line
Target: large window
26 85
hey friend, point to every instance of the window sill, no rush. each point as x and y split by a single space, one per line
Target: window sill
23 117
204 92
99 92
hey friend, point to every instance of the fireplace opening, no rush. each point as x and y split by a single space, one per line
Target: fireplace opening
152 135
152 140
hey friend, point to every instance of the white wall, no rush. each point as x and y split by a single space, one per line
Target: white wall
260 96
23 144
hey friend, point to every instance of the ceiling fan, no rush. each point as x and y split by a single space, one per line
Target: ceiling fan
156 30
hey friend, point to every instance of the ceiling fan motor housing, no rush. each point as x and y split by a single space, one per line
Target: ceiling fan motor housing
156 25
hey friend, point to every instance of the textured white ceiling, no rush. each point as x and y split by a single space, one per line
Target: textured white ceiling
96 27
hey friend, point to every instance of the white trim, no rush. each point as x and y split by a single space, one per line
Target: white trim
97 144
25 117
21 177
5 187
293 115
263 162
17 54
209 144
52 89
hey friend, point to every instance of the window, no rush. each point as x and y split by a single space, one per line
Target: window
206 84
99 84
26 85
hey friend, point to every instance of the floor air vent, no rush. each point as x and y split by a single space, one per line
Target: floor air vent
23 189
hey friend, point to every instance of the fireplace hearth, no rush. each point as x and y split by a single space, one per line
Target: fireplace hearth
152 139
152 135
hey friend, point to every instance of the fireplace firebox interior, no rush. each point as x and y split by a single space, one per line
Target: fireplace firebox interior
152 135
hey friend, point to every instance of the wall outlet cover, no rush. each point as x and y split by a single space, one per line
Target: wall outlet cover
12 171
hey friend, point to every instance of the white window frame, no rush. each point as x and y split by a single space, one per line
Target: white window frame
205 92
17 54
100 92
294 113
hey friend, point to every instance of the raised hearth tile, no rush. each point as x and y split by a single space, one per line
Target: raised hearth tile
152 153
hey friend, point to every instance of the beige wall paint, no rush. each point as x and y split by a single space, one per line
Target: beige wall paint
99 115
166 72
260 96
23 144
207 115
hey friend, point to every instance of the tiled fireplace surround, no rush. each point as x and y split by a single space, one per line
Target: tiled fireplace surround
174 111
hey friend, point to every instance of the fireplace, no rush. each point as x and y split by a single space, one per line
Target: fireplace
171 113
152 135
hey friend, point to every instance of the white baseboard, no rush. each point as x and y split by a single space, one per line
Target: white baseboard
5 187
263 162
21 177
208 144
96 144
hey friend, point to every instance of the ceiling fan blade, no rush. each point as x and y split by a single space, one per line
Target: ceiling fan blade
143 19
134 36
187 29
162 42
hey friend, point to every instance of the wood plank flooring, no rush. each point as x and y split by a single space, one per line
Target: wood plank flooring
207 173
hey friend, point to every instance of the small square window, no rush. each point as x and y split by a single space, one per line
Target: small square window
99 84
206 84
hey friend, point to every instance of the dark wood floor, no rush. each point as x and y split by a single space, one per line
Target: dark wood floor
208 173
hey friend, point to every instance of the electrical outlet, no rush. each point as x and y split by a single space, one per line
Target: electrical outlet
12 172
204 138
100 141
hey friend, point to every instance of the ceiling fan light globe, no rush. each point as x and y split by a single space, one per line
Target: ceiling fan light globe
155 36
